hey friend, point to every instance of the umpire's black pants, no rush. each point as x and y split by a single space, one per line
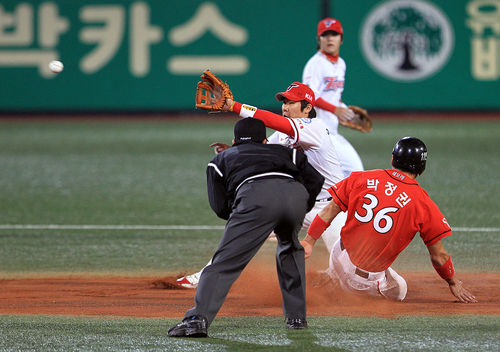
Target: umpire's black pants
260 207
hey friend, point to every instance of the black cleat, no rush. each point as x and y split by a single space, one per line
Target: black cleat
296 324
193 326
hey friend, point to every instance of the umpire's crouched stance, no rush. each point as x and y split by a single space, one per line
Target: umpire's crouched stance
258 188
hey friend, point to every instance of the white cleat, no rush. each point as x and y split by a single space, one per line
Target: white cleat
190 281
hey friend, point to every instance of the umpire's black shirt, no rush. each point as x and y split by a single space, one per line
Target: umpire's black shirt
249 160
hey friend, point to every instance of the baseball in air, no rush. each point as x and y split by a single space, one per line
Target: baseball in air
56 66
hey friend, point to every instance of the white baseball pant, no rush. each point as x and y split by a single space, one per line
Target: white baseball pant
388 283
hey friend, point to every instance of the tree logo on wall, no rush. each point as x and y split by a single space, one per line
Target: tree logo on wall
407 40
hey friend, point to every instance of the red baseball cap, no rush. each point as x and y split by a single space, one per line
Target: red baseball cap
329 24
297 92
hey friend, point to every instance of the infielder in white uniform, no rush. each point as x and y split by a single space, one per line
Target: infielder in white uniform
297 128
324 73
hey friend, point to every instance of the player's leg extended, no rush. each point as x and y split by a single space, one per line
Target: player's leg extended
349 278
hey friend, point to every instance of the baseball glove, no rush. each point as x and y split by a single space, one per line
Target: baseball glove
211 93
361 121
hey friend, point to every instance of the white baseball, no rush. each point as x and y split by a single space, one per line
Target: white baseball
56 66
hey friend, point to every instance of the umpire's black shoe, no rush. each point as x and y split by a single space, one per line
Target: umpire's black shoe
296 324
193 326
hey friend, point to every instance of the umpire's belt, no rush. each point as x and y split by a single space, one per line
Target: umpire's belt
358 271
263 176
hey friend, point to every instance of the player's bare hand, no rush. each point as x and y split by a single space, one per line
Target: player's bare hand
307 249
228 104
461 293
219 147
344 113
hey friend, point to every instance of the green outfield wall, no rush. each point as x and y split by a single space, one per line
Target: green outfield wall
148 55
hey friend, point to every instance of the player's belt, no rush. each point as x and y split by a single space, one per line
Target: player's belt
361 273
329 199
358 271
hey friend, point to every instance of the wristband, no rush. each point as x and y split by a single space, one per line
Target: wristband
317 227
247 110
446 270
232 105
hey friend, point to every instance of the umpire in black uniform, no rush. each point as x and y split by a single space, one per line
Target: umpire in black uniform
258 188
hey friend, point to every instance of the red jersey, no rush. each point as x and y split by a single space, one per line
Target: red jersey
386 210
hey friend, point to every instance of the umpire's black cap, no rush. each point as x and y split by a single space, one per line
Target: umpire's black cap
249 129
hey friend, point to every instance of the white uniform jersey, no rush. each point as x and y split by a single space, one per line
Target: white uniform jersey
326 79
313 138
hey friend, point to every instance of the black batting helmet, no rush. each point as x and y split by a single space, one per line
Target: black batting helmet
410 154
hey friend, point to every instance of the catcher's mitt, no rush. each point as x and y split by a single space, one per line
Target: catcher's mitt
211 93
361 121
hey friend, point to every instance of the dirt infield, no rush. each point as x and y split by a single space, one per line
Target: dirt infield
255 293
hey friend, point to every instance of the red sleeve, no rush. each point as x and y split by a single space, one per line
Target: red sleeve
274 121
337 191
435 227
323 104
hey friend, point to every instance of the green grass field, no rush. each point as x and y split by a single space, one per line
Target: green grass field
112 197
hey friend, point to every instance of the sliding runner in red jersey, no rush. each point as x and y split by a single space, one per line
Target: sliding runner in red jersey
386 208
